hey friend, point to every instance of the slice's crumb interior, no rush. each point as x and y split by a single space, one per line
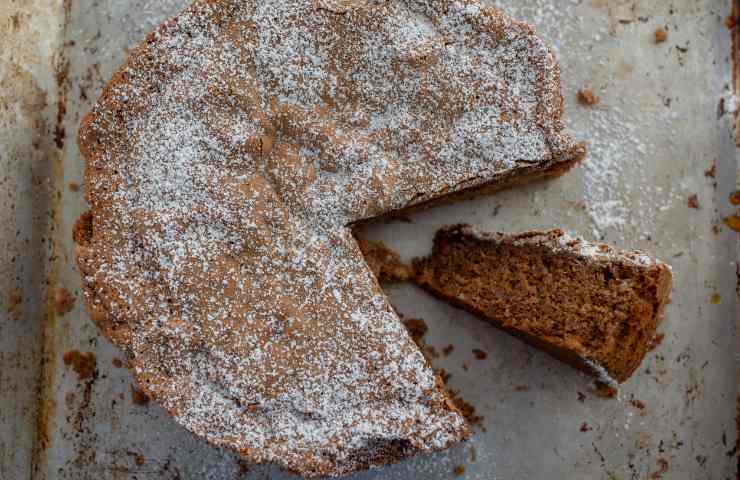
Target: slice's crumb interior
584 303
385 264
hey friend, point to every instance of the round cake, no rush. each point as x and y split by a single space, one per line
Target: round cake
227 162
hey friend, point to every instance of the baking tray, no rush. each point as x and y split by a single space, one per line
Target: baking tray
662 127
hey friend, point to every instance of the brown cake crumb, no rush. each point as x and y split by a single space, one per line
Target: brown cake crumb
522 388
637 404
138 397
417 328
118 363
480 354
584 427
459 470
83 364
385 264
662 469
443 374
735 197
711 172
139 460
587 97
733 221
429 352
448 350
74 186
656 341
64 301
465 408
693 201
661 35
604 391
465 367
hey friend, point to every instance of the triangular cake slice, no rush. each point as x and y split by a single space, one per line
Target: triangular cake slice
227 161
589 305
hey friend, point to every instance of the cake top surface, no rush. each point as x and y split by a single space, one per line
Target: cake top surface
557 241
227 160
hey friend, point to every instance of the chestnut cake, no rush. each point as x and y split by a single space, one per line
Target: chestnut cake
587 304
227 161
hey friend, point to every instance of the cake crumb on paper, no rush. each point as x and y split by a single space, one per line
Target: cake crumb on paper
662 469
733 221
656 341
416 327
587 97
83 364
735 197
605 391
660 35
64 301
693 201
138 397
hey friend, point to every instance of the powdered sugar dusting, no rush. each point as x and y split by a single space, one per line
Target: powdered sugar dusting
225 164
620 149
561 242
602 375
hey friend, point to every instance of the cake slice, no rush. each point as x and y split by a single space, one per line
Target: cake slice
589 305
